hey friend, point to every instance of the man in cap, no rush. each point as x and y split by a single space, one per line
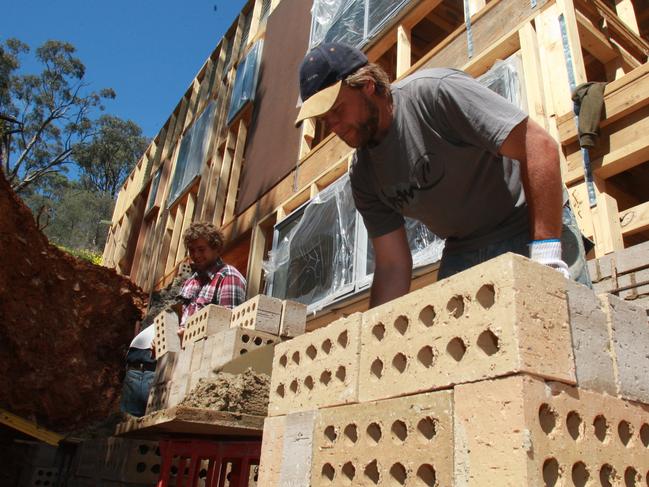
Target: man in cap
439 147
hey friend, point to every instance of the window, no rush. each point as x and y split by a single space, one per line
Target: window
321 252
154 190
245 83
352 22
192 152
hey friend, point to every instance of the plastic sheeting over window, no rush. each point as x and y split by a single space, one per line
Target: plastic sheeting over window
313 252
245 83
351 22
153 192
192 152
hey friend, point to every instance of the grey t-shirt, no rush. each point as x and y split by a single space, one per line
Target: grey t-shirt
439 163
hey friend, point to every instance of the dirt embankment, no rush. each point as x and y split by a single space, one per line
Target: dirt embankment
65 325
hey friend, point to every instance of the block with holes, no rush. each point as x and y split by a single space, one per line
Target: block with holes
184 271
131 461
318 369
261 313
520 430
158 397
401 441
166 333
207 321
293 320
234 342
507 315
164 368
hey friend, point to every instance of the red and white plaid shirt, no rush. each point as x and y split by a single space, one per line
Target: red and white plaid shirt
221 284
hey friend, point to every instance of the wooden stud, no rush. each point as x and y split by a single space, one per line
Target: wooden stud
255 258
175 238
533 78
606 222
404 50
237 163
187 220
626 12
224 177
635 220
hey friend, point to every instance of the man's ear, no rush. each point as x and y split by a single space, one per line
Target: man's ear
369 88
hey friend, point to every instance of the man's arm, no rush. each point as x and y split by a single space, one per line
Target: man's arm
393 267
538 154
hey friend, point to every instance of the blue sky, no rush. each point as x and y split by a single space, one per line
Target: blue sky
147 51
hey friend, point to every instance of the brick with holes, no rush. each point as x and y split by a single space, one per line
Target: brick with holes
158 397
318 369
629 333
400 441
293 320
165 366
166 333
206 322
522 430
234 342
504 316
261 313
297 451
131 461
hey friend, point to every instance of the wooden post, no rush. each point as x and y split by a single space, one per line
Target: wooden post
224 177
404 50
175 239
533 74
255 258
237 162
626 12
606 222
187 220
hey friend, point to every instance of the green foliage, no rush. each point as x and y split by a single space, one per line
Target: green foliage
45 115
85 254
109 157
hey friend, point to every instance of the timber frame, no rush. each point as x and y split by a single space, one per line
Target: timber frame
605 41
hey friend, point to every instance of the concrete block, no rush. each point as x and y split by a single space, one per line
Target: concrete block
166 333
261 313
318 369
131 461
43 476
272 450
235 342
298 449
629 335
520 430
402 441
207 321
590 340
158 397
293 320
197 355
164 368
178 389
184 361
505 316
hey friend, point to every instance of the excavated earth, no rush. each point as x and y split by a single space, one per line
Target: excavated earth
245 393
65 326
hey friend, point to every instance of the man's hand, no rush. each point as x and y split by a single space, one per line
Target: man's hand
548 252
181 332
393 269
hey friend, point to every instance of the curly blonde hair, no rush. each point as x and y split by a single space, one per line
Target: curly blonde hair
206 230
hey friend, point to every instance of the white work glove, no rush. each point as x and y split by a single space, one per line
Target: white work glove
548 252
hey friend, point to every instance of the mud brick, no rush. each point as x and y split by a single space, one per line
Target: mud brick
318 369
629 333
238 341
293 320
521 430
272 450
211 343
504 316
164 368
197 355
298 448
208 321
166 333
158 397
261 313
590 340
183 361
402 441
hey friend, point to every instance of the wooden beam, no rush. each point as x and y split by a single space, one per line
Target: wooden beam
404 51
29 428
255 258
187 220
237 162
533 78
175 238
224 177
635 219
578 196
626 12
606 222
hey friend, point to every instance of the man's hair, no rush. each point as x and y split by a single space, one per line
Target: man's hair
206 230
370 72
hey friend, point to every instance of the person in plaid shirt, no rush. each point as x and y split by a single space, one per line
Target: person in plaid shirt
213 281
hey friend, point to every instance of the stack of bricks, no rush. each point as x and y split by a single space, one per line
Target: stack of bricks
213 337
505 374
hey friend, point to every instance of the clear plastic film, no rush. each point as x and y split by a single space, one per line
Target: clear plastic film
504 79
313 254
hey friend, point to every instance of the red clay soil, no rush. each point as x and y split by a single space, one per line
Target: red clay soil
65 325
